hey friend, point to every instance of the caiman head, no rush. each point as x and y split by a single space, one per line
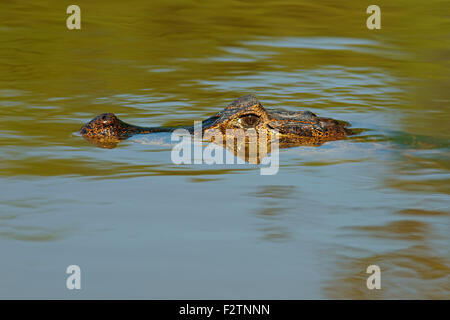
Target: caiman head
246 113
291 127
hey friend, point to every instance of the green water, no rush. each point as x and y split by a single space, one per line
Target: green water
140 226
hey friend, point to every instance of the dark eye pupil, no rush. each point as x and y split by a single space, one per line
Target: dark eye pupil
249 120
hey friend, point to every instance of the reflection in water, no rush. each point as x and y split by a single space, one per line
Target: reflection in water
274 208
396 230
412 252
250 146
422 212
422 171
34 234
415 272
17 220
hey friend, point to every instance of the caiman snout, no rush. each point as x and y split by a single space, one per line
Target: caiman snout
106 130
107 125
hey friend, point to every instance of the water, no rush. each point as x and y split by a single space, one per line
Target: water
140 226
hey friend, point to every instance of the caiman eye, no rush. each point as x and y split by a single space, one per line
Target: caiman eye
249 121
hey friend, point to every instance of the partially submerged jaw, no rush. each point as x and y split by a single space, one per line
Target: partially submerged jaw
105 143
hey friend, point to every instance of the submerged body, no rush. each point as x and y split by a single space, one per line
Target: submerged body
292 128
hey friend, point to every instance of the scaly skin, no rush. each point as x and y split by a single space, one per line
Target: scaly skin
294 128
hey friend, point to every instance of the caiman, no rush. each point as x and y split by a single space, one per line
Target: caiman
294 128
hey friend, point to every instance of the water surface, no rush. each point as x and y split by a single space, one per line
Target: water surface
140 226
